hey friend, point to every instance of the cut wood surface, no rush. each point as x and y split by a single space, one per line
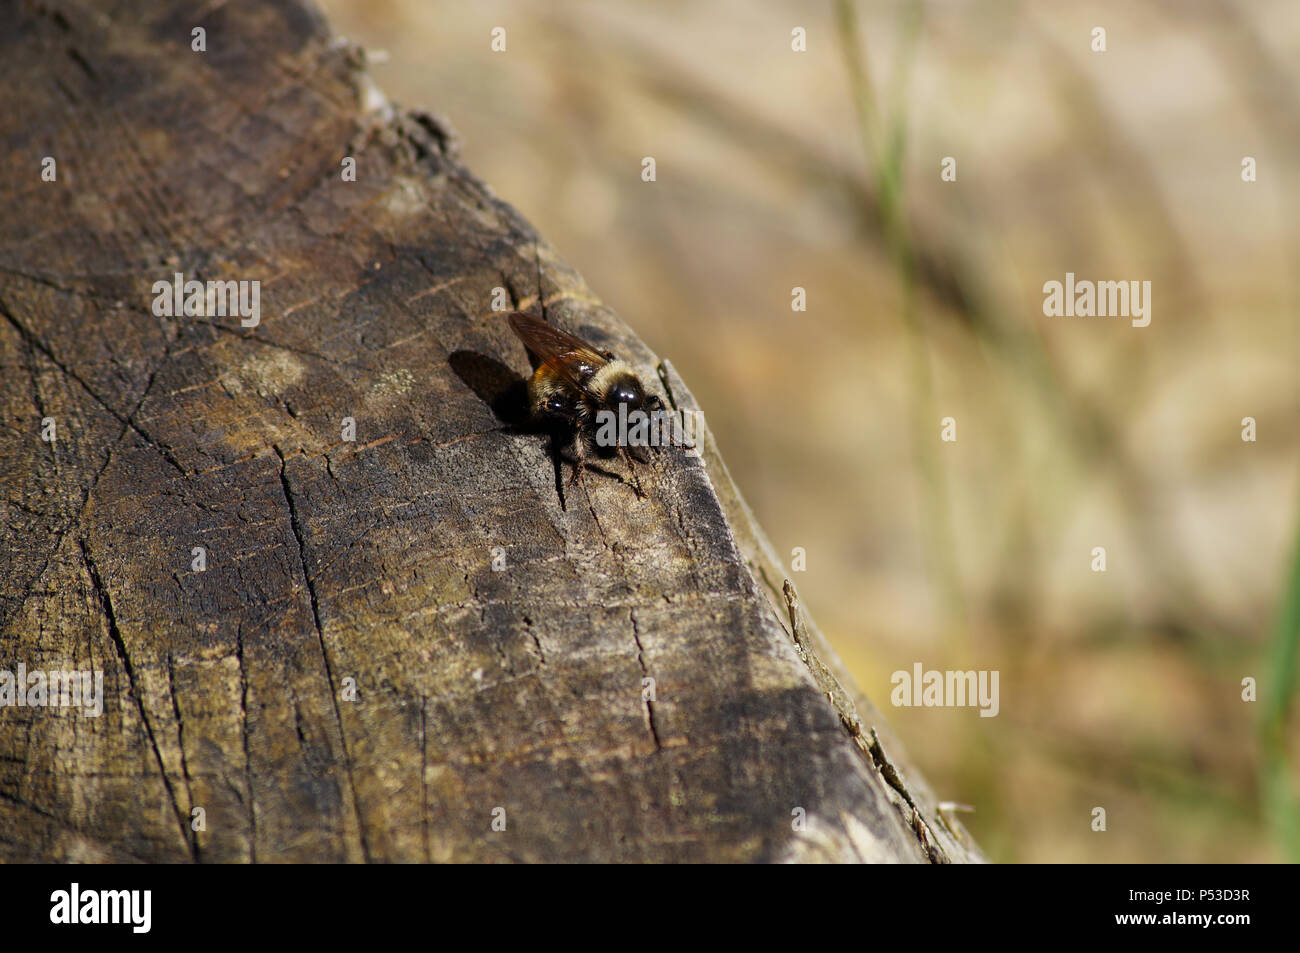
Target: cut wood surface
400 643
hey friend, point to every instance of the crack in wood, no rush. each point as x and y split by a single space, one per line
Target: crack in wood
121 418
873 753
180 743
645 673
295 524
119 643
244 736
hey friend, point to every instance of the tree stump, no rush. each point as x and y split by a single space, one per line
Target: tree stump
414 645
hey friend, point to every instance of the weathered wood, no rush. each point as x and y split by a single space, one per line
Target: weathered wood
371 560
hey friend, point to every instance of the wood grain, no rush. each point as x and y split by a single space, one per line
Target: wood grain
369 562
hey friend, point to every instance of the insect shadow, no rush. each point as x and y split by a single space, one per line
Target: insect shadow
506 394
504 391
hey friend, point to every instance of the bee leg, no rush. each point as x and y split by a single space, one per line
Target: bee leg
636 480
581 465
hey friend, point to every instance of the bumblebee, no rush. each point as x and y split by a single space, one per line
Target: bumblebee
575 383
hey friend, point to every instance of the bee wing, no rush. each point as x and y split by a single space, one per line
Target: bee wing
571 357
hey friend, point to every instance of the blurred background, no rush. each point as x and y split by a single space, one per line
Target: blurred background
820 169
